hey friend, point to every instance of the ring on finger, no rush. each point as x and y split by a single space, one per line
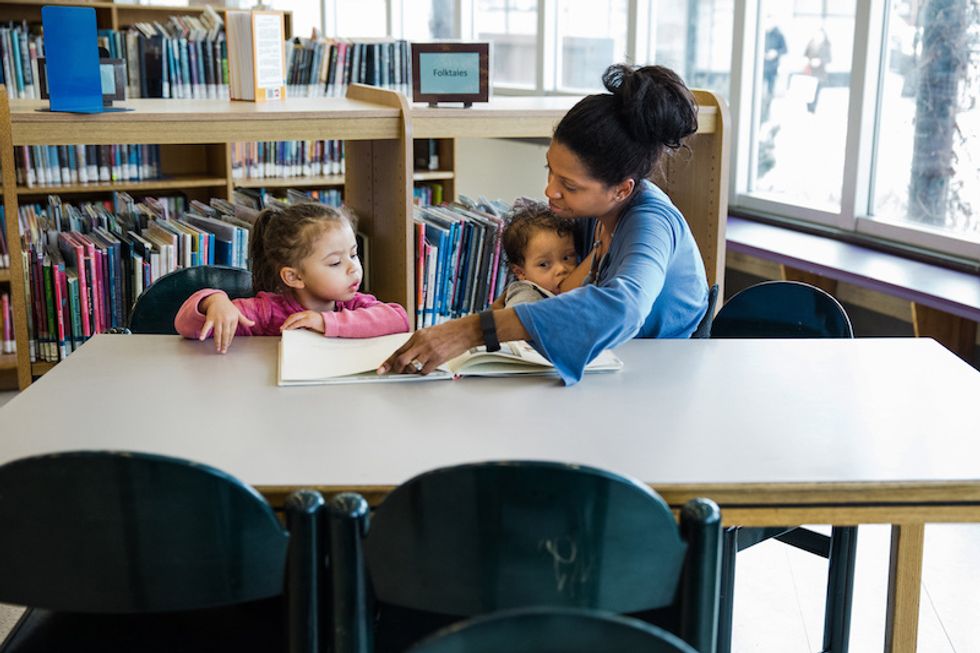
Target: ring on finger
417 365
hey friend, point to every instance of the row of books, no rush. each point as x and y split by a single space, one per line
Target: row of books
428 193
9 343
284 159
459 263
184 57
320 66
187 57
4 248
261 198
86 264
55 165
19 51
425 153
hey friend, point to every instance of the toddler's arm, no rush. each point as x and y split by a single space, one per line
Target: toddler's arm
365 317
190 320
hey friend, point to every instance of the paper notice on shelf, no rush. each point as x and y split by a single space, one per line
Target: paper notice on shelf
268 51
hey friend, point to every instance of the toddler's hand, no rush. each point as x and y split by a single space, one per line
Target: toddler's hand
223 316
304 320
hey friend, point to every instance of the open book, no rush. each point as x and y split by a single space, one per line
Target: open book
307 358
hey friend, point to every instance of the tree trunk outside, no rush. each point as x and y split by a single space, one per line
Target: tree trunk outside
941 69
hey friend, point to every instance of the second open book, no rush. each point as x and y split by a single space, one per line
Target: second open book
307 358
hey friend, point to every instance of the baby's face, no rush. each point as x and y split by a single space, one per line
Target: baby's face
548 259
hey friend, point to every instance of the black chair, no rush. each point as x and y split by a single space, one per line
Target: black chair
788 309
156 308
552 630
704 327
121 551
473 539
782 309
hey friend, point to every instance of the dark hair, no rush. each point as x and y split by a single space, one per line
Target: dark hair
622 134
525 219
283 237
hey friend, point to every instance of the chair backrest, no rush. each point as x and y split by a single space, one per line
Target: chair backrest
156 308
782 309
704 327
552 630
126 532
473 539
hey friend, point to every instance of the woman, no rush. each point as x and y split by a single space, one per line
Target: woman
643 276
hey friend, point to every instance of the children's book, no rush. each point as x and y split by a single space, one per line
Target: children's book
307 358
256 61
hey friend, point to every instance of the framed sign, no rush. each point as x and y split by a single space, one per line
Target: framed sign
451 72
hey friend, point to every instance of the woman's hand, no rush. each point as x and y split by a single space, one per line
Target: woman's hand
429 348
223 316
311 320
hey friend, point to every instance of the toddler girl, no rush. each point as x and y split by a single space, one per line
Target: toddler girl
305 273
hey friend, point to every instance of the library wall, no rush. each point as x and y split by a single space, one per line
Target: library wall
500 168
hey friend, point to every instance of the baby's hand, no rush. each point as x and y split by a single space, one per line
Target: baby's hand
222 315
304 320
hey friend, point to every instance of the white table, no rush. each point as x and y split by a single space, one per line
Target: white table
776 431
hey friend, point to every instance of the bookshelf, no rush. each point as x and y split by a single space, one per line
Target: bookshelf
378 126
110 15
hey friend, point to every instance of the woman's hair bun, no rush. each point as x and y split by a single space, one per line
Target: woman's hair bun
655 105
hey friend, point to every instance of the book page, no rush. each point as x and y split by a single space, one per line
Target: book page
519 357
307 356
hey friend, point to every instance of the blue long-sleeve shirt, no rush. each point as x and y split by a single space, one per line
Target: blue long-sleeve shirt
651 285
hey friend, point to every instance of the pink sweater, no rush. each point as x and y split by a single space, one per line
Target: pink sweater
361 317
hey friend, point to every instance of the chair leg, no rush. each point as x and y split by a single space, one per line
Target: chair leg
840 589
729 549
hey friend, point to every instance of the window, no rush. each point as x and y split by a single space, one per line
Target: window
357 18
692 38
927 162
425 20
306 15
803 74
591 37
512 27
873 130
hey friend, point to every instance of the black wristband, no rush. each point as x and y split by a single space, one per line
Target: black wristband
489 328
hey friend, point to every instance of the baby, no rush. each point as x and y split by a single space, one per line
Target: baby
541 252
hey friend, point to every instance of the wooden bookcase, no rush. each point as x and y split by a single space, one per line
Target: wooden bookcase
378 127
109 15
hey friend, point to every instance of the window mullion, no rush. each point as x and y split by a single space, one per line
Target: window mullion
869 25
548 64
631 27
744 56
396 18
464 20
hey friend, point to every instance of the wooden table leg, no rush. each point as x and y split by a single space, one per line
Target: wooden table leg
904 588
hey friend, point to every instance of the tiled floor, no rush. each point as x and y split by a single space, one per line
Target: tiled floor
780 593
